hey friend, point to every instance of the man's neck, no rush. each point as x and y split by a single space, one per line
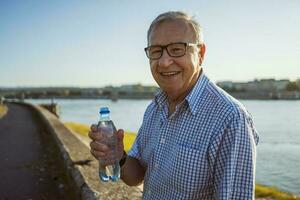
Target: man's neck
176 99
172 103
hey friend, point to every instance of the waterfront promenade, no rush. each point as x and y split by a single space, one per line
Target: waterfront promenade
29 167
42 159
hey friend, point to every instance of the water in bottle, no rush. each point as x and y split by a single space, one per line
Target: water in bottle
109 137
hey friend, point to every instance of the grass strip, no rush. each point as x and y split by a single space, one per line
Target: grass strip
273 193
3 110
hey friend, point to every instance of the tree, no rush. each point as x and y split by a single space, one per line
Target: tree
292 86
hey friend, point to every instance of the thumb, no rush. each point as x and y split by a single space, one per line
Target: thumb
120 136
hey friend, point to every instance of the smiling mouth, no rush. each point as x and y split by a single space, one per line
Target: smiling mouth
169 73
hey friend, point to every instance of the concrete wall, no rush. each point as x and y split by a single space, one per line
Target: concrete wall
81 167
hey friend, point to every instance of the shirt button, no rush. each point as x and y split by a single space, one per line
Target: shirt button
163 141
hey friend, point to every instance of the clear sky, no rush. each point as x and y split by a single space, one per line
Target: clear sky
96 43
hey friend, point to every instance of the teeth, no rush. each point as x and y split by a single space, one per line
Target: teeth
168 73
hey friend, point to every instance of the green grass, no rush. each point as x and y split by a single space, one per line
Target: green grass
273 193
260 190
3 110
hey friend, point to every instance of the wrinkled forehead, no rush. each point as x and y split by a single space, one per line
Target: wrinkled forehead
171 31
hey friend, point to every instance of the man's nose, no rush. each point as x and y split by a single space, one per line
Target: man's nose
165 60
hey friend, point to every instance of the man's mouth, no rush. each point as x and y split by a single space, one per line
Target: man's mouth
169 73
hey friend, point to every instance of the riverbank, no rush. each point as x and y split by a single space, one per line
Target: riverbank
261 192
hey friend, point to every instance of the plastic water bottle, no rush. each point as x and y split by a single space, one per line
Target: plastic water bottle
109 137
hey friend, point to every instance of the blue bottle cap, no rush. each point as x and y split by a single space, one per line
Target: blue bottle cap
104 110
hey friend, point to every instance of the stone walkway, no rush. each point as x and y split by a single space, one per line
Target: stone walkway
29 166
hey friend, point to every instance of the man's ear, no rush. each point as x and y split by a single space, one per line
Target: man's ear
202 49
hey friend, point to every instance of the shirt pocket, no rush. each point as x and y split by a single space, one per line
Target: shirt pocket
190 170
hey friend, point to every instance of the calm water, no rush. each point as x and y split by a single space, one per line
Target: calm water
278 122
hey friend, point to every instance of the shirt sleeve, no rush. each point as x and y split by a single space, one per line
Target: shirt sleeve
233 159
135 149
138 144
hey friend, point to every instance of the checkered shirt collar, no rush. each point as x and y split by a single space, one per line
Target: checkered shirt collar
193 98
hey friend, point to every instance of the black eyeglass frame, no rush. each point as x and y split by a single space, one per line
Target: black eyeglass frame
186 44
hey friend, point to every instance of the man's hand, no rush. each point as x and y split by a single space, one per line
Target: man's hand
101 151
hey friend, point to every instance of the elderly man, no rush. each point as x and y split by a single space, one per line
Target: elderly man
196 141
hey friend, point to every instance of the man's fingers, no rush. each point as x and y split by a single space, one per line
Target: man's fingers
98 154
95 135
95 154
94 127
97 146
104 157
101 151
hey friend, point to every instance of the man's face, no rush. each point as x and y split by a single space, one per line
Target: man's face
175 75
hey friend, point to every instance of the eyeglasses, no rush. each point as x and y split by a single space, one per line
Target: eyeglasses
174 50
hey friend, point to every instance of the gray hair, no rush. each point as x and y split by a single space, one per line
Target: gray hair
178 15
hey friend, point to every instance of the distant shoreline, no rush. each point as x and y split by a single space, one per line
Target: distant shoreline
149 98
284 95
100 98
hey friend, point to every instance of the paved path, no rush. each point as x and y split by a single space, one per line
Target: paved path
29 167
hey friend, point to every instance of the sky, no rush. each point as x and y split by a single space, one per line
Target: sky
96 43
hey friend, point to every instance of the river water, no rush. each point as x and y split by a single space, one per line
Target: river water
278 122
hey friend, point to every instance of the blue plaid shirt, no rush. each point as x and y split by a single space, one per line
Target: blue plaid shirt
205 150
